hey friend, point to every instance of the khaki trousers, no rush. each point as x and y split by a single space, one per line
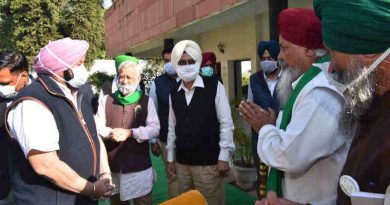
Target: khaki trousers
204 179
173 189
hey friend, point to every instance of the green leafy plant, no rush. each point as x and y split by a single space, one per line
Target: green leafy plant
243 155
152 70
97 79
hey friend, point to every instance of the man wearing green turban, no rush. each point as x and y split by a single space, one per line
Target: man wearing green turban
357 34
127 119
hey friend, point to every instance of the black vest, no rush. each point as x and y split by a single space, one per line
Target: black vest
4 153
164 85
197 126
78 141
262 96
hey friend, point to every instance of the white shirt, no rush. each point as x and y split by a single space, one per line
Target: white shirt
33 126
153 94
271 83
224 118
141 134
311 151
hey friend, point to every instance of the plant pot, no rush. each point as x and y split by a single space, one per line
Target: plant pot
245 177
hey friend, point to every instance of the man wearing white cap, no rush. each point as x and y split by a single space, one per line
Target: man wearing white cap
200 129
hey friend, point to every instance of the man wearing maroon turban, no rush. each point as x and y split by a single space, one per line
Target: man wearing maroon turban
208 67
59 158
303 147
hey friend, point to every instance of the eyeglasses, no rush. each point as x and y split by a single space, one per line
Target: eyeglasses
186 62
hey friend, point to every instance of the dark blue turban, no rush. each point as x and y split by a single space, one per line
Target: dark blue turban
271 46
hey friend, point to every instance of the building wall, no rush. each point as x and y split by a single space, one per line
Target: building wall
240 43
132 22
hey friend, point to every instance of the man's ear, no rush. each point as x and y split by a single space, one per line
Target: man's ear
68 75
309 52
24 74
369 58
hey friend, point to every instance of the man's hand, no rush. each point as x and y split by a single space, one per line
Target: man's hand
107 175
103 188
272 199
120 134
223 168
156 149
256 116
171 168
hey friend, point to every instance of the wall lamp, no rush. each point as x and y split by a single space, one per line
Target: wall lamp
221 47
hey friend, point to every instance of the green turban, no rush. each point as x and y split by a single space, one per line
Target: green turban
355 26
119 60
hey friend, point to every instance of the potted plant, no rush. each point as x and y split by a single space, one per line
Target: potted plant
243 167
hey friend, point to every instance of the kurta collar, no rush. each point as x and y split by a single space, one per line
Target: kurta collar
197 83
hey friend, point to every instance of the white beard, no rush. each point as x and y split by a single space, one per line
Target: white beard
357 96
284 86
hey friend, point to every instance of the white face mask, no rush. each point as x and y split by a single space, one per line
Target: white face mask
188 73
9 91
127 89
80 76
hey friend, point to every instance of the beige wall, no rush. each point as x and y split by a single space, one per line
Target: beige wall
240 39
240 43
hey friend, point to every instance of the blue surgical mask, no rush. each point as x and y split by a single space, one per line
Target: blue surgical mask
268 66
207 71
168 67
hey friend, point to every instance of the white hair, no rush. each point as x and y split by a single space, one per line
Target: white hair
320 52
129 64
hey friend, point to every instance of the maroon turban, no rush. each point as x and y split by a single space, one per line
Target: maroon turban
301 27
208 56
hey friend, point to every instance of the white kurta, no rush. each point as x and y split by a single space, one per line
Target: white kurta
311 151
135 184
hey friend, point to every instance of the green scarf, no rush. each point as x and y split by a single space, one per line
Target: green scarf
274 181
128 99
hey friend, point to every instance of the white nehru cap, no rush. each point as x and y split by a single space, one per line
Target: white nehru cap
188 46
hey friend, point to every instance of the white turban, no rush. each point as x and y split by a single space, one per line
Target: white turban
188 46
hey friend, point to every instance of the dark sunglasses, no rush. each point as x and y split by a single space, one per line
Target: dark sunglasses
186 62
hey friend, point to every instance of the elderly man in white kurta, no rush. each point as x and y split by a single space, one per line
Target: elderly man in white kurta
126 121
305 148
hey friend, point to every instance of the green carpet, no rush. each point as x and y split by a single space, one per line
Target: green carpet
234 196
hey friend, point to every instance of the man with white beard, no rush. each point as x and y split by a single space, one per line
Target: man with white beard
361 61
305 146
